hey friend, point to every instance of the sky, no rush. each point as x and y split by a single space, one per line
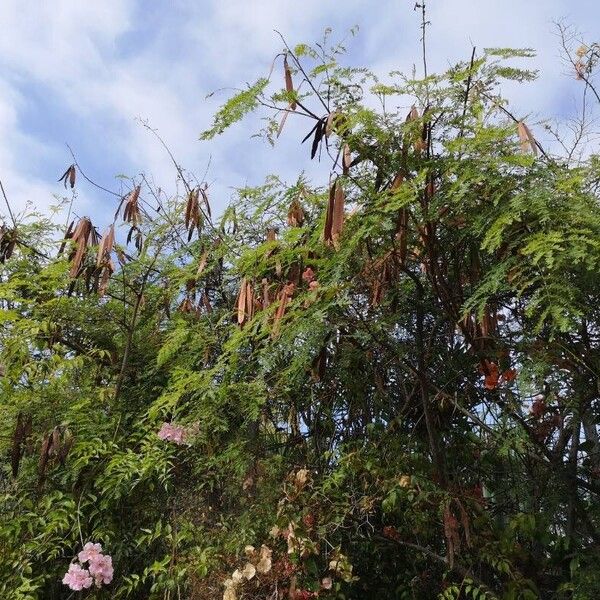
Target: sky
86 73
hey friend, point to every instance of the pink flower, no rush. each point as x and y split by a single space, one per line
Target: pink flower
101 569
90 552
77 578
172 433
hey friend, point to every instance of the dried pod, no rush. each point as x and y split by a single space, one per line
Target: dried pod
289 85
202 263
329 216
337 217
56 442
413 114
8 241
245 302
397 182
187 306
282 122
318 130
107 271
131 212
83 236
526 138
44 457
330 122
66 445
69 177
193 219
295 216
266 299
105 247
22 430
402 235
346 159
318 366
205 200
284 297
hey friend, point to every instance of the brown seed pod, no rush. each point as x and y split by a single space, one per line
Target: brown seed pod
295 216
69 176
289 84
526 137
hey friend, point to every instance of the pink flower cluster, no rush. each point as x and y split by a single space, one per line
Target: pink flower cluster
99 571
173 433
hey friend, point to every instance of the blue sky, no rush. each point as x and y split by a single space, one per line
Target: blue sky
82 73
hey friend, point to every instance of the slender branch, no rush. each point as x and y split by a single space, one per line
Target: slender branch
10 212
301 68
467 90
511 116
96 185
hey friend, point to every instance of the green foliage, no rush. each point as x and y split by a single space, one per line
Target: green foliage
403 406
235 109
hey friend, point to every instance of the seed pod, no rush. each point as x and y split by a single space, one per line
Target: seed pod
69 177
526 138
295 216
289 85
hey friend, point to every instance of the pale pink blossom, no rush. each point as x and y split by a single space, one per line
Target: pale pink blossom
101 569
77 578
172 433
90 552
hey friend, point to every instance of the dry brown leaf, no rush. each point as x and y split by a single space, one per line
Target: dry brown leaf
264 564
397 182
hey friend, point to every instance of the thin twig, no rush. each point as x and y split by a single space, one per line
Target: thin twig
308 80
467 90
10 212
88 179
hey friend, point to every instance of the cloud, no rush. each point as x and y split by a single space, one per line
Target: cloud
83 72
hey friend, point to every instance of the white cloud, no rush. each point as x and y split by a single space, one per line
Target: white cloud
107 63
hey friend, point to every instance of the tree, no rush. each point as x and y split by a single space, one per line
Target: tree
383 386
